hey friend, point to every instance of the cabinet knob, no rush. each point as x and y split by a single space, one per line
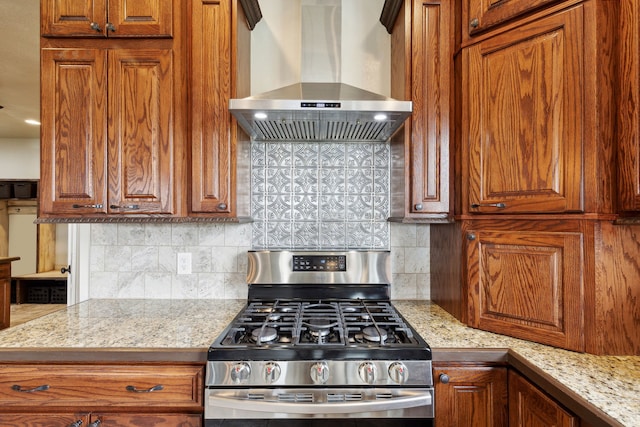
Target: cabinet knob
418 206
66 269
222 206
474 23
96 27
444 378
471 236
111 27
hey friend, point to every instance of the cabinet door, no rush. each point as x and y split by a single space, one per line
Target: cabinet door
43 420
470 396
73 18
213 154
528 283
106 18
147 420
480 15
530 407
523 100
629 115
431 86
141 144
74 131
140 18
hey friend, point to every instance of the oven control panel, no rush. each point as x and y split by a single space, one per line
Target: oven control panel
319 263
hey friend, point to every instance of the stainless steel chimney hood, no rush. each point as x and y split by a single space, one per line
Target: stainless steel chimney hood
327 110
320 112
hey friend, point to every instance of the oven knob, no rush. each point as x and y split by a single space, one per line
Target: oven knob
367 371
240 372
398 372
319 372
271 372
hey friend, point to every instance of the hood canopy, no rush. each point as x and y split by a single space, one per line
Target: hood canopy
320 112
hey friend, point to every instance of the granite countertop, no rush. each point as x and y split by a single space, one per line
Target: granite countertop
184 329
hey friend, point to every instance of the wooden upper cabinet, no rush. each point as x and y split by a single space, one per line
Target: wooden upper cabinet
431 85
74 131
525 280
481 15
524 122
470 396
140 131
531 407
106 18
422 71
213 152
107 139
629 115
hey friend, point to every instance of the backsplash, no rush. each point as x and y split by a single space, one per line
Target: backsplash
139 260
320 195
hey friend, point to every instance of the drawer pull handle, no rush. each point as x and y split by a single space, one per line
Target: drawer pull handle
499 205
98 206
76 424
96 423
124 207
29 390
134 389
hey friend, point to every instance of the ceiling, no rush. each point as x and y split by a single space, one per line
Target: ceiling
19 68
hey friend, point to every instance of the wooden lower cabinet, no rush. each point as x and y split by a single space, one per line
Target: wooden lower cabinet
531 407
68 395
470 396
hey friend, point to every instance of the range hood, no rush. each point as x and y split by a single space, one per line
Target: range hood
320 111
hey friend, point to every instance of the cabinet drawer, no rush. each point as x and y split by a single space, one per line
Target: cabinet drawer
101 385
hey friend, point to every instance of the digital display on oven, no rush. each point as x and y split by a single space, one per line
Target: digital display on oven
319 263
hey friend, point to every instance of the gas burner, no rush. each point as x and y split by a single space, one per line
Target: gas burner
373 334
264 335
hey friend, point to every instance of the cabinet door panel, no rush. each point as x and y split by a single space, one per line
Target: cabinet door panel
148 420
141 132
524 114
213 167
69 18
429 166
527 284
140 18
530 407
481 15
472 396
5 295
73 135
42 420
629 116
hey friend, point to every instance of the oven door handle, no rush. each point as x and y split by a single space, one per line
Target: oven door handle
271 406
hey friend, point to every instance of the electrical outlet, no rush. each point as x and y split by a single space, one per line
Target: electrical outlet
184 263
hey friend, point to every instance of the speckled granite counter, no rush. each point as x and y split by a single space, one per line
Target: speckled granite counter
182 330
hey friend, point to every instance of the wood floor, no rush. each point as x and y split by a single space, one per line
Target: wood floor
21 313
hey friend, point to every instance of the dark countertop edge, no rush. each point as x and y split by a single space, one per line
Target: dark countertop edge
567 397
4 260
103 355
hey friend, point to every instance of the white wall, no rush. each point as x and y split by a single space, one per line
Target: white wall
19 158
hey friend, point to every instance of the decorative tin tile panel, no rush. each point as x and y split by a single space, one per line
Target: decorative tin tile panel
320 195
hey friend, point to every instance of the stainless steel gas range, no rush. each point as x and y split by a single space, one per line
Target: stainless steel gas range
319 340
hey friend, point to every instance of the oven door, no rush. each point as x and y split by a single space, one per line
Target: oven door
319 407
